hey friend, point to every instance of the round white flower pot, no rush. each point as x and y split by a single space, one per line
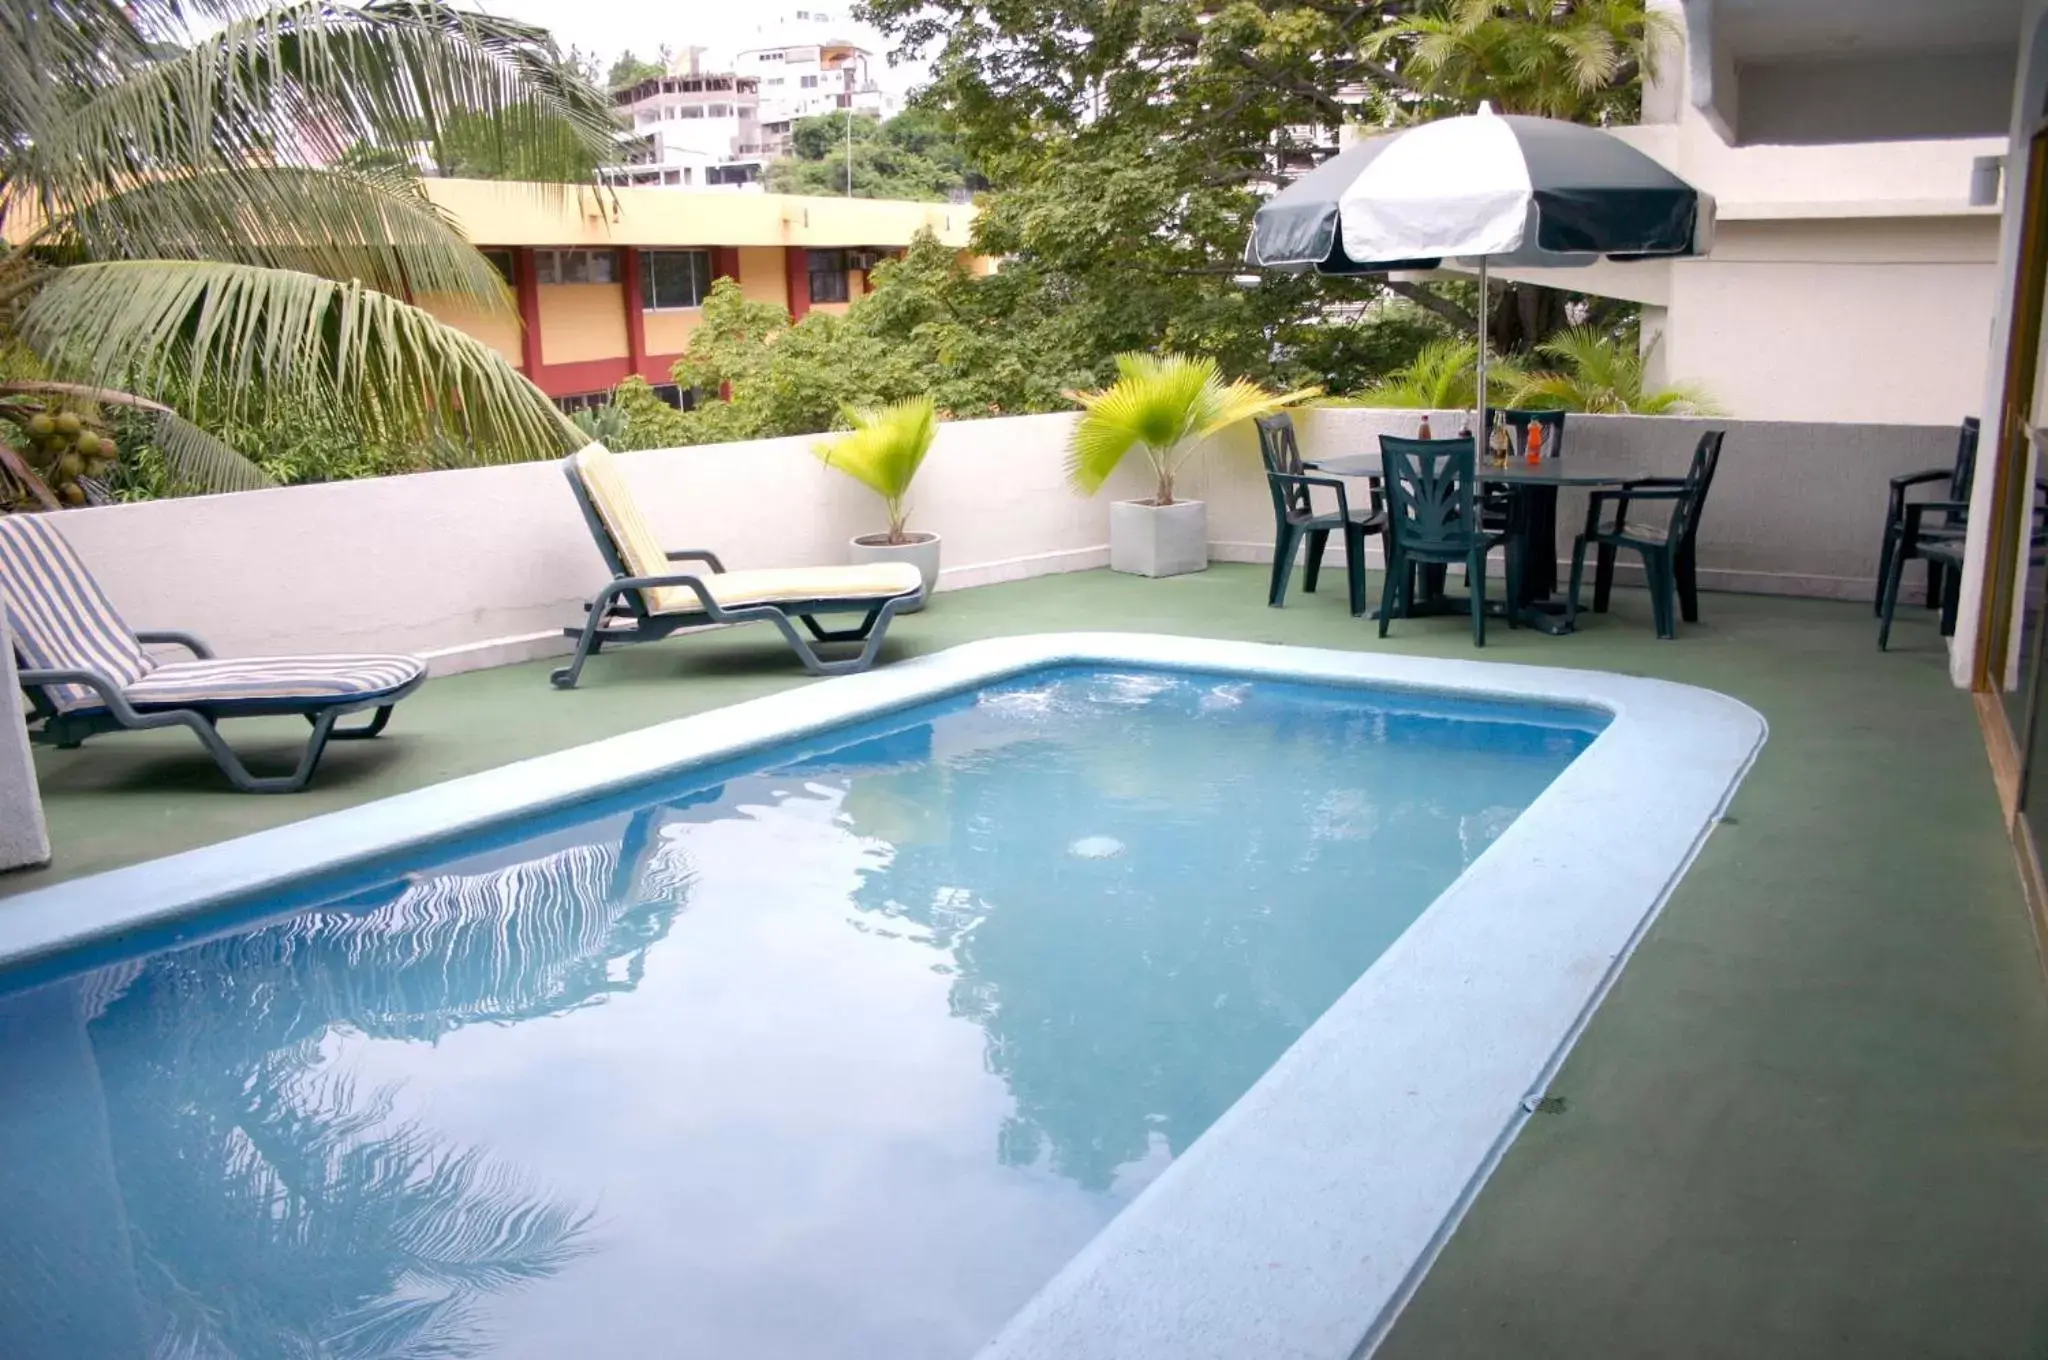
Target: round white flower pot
1158 540
922 552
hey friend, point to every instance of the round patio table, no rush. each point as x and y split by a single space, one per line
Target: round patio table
1534 486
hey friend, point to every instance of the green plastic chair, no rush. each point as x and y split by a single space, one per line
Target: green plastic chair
1433 519
1295 516
1667 549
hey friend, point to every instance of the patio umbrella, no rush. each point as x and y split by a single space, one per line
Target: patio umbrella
1487 188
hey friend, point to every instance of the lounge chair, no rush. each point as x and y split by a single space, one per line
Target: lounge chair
85 672
648 599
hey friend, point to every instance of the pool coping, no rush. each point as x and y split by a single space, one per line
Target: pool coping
1304 1218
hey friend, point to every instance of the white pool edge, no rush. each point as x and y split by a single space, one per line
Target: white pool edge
1305 1217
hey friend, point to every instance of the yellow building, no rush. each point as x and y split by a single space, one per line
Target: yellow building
611 282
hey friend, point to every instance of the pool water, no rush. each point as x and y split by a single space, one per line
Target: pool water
839 1051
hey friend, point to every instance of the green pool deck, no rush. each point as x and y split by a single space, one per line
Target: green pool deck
1810 1120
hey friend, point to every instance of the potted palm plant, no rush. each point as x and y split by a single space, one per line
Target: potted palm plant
1166 405
883 452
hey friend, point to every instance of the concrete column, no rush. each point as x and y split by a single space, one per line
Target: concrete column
24 839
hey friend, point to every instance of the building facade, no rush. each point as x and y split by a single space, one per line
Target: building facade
808 63
693 130
611 282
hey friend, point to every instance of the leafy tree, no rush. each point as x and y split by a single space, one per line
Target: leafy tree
1582 61
909 156
161 183
1597 370
630 70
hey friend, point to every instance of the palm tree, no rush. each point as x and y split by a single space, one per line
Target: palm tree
1580 60
1605 373
1443 376
883 452
1166 405
189 230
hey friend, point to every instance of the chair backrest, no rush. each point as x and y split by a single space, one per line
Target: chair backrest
1699 479
1281 453
1966 460
1519 422
1431 488
624 538
61 619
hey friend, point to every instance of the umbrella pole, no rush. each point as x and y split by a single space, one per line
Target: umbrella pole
1485 430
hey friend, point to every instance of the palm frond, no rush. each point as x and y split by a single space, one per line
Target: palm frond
1165 405
305 84
196 457
1603 373
374 225
884 450
268 337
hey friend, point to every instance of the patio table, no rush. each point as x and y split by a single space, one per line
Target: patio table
1535 487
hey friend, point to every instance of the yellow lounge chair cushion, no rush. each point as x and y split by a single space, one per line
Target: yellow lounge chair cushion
643 555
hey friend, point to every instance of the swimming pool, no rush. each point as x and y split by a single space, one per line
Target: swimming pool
844 1046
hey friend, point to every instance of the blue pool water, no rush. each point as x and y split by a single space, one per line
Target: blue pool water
839 1051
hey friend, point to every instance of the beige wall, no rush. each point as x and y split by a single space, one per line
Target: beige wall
1854 320
669 332
487 565
762 277
497 328
582 321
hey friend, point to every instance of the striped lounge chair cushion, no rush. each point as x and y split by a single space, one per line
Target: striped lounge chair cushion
641 553
60 618
257 679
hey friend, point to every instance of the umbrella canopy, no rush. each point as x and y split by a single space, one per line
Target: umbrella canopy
1504 189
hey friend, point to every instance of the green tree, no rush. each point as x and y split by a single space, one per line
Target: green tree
630 70
909 156
1444 376
178 235
1582 62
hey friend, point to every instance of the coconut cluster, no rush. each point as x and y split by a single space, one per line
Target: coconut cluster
67 450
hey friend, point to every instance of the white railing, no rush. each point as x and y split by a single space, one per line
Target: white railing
485 566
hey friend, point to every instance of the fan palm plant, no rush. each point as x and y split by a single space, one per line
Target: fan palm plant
883 452
1165 405
1443 376
184 219
1599 372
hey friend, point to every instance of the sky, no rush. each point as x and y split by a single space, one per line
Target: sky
611 26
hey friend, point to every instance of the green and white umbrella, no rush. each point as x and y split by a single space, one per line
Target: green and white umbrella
1487 189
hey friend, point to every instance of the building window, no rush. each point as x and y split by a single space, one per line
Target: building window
828 275
576 266
670 279
583 401
718 111
692 111
501 260
810 82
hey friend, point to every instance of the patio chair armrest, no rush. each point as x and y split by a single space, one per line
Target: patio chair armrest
175 638
1921 478
704 555
1634 482
626 585
1915 511
1331 483
104 686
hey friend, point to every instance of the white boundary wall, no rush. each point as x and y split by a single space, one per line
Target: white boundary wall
484 566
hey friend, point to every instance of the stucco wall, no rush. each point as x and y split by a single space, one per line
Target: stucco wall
488 564
1885 320
668 332
762 278
581 321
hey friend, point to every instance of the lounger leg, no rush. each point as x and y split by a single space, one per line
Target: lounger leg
238 774
874 628
363 733
587 643
859 634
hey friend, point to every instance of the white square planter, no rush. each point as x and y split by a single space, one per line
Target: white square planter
1158 540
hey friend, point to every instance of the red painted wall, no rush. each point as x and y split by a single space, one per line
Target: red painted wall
526 285
796 266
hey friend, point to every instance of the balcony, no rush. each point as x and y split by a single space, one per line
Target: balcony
1810 1118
